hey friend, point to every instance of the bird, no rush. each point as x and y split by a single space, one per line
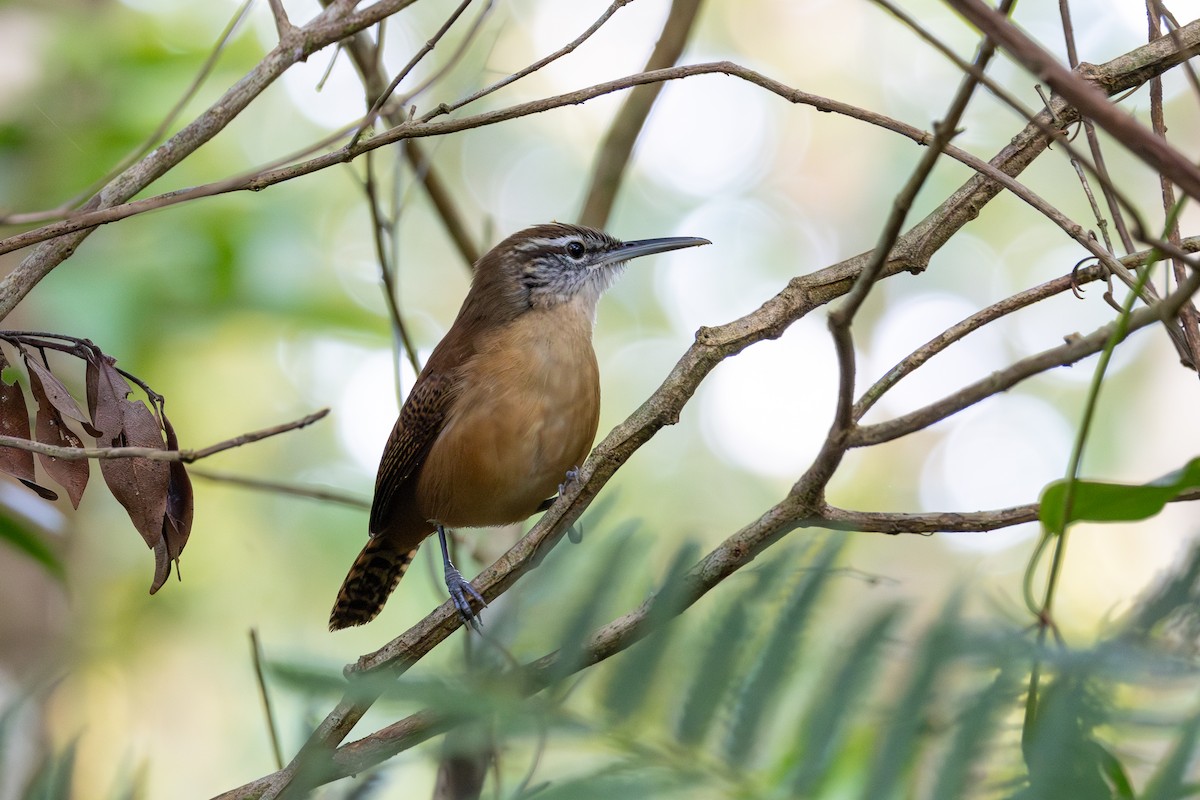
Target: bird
504 411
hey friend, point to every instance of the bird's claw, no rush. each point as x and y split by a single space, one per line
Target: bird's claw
460 591
575 534
572 476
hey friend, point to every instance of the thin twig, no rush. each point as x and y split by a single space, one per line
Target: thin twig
382 97
154 137
388 270
1093 141
155 454
617 147
1084 96
278 487
992 313
463 46
283 25
1188 316
1065 354
256 655
570 47
1115 76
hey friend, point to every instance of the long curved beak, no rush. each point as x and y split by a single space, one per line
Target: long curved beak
648 247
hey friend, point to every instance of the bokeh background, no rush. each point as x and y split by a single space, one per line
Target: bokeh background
248 310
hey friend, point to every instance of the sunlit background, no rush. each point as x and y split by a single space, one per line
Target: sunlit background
249 310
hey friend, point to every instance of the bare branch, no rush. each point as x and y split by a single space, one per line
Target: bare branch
335 23
382 97
617 147
153 453
1074 350
1115 76
277 487
992 313
1085 96
283 26
532 68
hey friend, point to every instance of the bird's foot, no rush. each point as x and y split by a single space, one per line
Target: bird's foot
461 591
574 533
572 476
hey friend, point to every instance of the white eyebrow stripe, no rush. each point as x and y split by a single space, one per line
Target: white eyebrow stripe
556 243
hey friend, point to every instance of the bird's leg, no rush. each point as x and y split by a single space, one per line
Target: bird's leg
575 534
459 587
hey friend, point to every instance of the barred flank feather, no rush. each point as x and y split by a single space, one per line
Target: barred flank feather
372 577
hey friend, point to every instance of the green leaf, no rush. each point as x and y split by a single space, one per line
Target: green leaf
635 671
31 544
776 662
1063 758
978 725
610 783
901 734
1112 769
54 778
824 727
715 675
1168 782
1175 598
1094 501
600 588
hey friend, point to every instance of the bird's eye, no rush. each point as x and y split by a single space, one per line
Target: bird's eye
575 250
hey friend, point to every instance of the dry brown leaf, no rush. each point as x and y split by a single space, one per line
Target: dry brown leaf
58 394
177 525
162 565
50 428
138 484
14 421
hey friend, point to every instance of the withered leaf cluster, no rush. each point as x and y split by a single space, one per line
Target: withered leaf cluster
156 494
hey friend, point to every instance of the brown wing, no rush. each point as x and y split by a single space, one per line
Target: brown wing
419 424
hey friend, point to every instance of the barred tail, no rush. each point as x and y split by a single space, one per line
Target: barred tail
372 577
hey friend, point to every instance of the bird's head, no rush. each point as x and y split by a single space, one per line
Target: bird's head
552 264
